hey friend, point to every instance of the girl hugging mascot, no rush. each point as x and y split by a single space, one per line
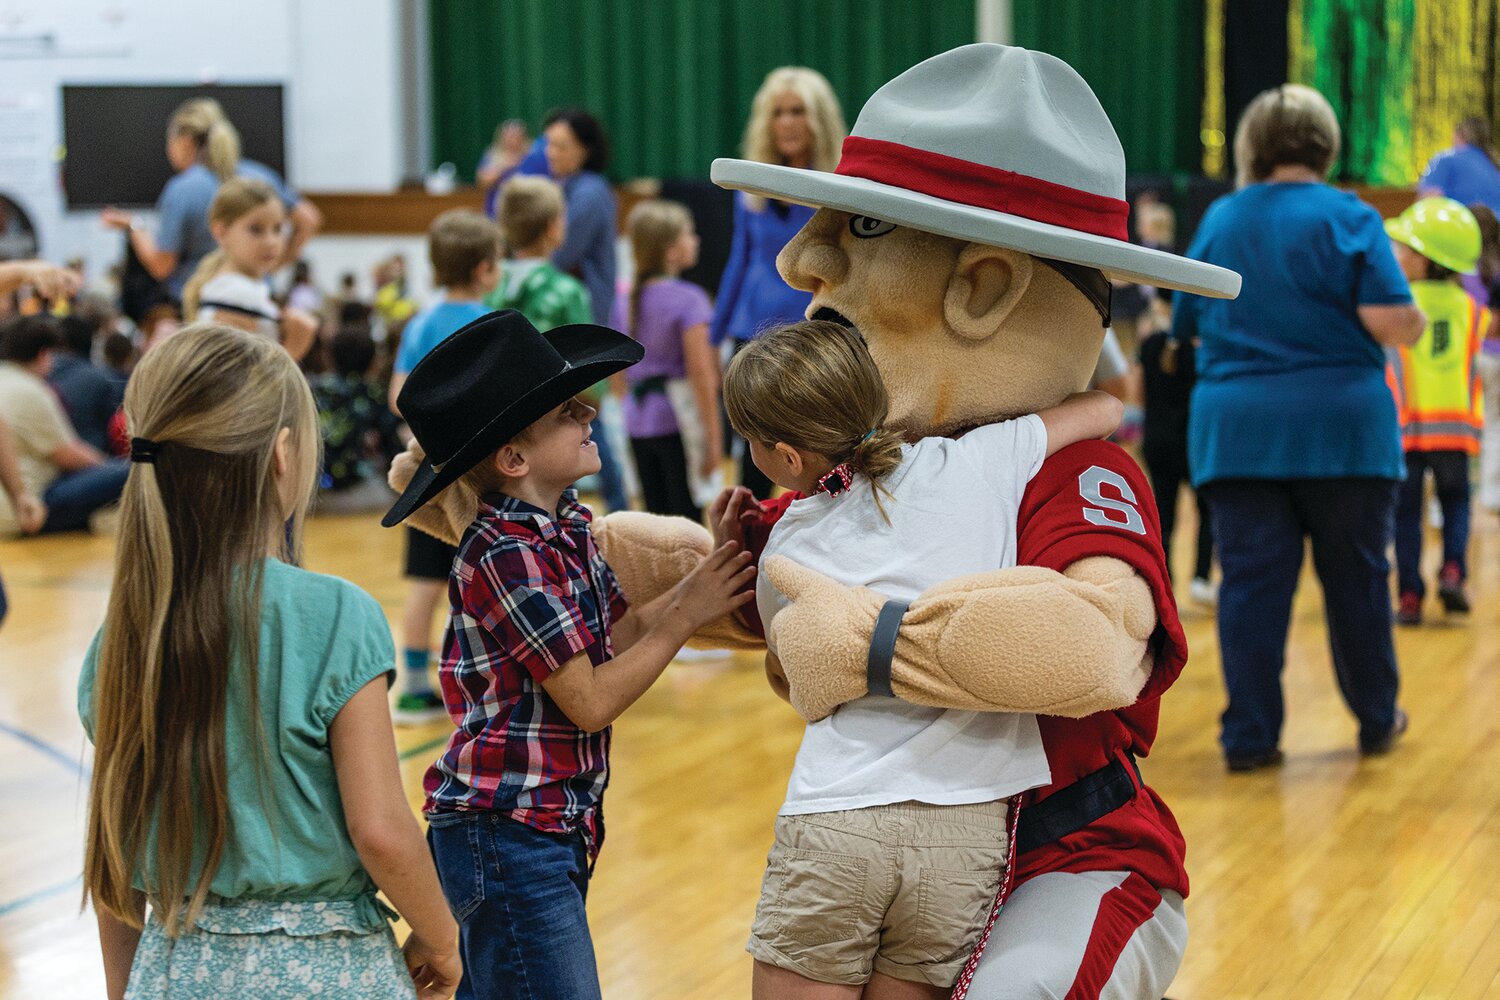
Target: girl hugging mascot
969 235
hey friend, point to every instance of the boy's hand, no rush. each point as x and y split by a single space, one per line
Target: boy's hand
727 514
434 971
31 514
715 588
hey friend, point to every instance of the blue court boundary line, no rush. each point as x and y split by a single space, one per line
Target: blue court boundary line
46 749
7 909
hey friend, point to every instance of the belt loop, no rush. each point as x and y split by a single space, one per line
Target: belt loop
883 648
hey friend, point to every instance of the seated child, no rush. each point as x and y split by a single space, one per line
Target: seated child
357 426
890 846
541 653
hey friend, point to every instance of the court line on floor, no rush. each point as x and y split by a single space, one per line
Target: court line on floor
6 909
46 749
421 748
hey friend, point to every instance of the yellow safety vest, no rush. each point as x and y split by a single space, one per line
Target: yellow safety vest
1435 380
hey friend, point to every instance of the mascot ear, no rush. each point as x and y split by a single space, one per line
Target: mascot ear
987 283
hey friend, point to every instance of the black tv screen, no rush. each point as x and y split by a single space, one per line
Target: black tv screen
115 137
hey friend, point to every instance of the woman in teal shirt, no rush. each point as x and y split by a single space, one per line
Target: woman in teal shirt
1293 429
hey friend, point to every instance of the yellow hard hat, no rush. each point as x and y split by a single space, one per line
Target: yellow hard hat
1442 230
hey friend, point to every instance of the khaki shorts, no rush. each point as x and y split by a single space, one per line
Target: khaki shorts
903 890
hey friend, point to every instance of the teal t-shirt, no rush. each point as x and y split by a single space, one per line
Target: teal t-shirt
321 640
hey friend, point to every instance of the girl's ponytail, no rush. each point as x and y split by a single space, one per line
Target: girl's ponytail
653 226
877 454
192 292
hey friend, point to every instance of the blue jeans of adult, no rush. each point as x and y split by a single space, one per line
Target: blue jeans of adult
1450 480
611 479
518 895
74 496
1259 526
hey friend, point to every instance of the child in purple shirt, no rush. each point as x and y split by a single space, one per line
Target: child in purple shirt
672 396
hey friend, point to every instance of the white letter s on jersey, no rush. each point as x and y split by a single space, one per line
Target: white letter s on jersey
1089 482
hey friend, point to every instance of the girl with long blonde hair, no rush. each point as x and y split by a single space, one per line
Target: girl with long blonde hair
795 120
895 785
672 396
245 776
248 222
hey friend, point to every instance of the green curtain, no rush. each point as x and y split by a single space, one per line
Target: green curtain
1144 60
1358 54
671 79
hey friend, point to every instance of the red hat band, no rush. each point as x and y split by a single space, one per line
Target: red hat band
975 184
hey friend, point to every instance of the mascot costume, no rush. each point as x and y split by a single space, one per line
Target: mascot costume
969 234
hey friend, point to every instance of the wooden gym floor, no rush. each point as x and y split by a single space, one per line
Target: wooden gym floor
1330 877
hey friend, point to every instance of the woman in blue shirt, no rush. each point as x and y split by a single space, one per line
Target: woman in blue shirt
1293 429
1467 172
795 120
204 150
577 155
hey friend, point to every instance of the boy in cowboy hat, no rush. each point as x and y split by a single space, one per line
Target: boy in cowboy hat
541 654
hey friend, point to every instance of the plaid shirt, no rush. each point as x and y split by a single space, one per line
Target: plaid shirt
529 592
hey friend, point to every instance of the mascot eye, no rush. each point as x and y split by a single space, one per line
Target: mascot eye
865 228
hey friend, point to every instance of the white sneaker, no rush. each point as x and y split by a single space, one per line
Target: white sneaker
1204 591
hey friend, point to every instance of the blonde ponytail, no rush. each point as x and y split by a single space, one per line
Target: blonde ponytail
182 624
814 386
221 149
192 292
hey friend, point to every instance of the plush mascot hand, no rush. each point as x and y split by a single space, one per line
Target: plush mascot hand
447 515
650 555
1024 639
821 638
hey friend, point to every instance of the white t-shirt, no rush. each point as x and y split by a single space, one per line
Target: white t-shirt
952 506
230 293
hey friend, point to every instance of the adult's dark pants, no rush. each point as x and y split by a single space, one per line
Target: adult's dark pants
661 465
1450 480
74 496
1169 471
1259 526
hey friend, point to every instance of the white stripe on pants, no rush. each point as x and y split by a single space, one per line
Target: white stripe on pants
1489 452
1043 936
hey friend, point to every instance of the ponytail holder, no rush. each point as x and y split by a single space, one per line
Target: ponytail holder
868 434
144 450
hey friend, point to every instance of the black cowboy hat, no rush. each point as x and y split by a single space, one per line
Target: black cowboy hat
488 382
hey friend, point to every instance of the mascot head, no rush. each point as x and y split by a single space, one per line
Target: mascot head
969 233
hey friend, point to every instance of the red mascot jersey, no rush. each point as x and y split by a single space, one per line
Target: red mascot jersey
1091 499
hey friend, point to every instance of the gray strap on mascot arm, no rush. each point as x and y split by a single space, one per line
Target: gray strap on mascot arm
883 647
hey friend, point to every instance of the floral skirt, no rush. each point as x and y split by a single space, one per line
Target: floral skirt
265 948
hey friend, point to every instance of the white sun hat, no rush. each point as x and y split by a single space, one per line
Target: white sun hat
996 145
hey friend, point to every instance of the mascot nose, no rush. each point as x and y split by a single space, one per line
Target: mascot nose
813 258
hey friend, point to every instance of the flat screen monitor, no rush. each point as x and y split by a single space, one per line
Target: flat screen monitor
115 137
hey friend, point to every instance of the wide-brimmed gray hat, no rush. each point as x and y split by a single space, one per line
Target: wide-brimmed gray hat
996 145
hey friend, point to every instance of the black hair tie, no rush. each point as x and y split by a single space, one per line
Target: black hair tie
144 450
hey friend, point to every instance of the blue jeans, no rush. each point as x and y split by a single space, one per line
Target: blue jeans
73 496
518 896
1450 479
1259 527
611 480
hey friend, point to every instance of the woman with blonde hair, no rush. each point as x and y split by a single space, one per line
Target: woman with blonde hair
795 120
203 148
245 777
1292 429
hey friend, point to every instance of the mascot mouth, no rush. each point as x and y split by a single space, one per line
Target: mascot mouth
833 316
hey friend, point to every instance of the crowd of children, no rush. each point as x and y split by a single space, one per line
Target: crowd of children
224 676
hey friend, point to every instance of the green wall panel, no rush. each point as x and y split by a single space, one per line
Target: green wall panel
1144 59
671 79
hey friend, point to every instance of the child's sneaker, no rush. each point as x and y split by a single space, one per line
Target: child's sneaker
1409 611
1451 589
1204 591
418 709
